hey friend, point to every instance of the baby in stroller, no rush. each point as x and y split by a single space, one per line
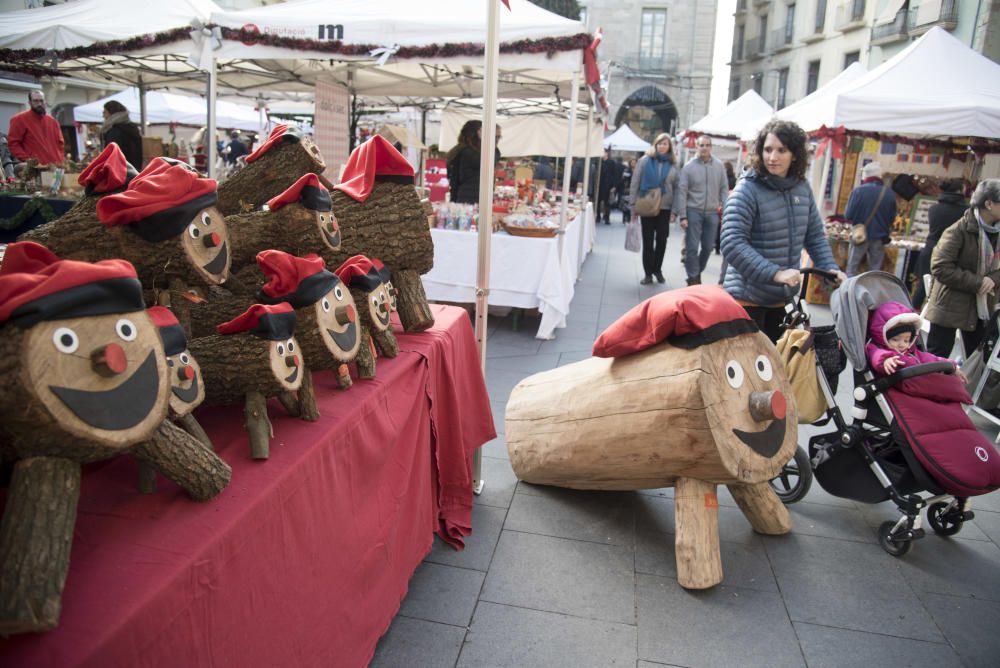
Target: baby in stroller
892 340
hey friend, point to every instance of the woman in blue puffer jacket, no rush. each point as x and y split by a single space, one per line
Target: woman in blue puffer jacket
768 219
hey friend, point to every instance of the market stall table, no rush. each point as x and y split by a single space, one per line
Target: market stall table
305 557
525 272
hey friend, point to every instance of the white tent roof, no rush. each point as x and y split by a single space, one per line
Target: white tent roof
526 134
623 139
817 108
164 108
749 110
937 86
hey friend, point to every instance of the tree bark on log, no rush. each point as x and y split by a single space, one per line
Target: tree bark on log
290 403
644 420
762 507
35 539
190 424
293 229
258 425
308 409
268 176
365 360
233 365
186 461
147 478
696 545
391 225
387 344
205 317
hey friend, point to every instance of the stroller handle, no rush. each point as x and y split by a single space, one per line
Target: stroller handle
884 383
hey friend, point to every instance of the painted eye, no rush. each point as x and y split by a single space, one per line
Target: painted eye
322 218
374 300
170 363
281 349
763 366
206 219
338 293
291 345
126 329
325 304
66 340
185 360
734 374
193 231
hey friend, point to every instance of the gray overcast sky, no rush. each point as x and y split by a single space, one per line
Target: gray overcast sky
723 50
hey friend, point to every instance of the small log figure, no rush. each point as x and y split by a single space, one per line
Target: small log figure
86 380
187 390
380 215
686 392
272 168
299 221
365 279
253 357
107 174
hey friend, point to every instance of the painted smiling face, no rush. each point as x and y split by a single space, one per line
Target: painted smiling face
746 395
102 378
329 229
379 307
187 390
206 243
337 316
286 363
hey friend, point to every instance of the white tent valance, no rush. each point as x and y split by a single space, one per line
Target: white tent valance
164 108
623 139
817 108
534 134
748 112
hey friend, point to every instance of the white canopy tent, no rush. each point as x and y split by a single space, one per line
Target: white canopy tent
534 134
747 111
164 108
623 139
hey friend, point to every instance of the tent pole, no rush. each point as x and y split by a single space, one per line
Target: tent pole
486 158
142 110
210 149
823 178
574 99
584 221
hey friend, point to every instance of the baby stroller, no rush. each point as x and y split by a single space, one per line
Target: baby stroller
900 445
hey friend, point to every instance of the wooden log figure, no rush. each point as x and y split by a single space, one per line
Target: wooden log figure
86 380
298 221
684 392
380 215
364 277
286 155
253 357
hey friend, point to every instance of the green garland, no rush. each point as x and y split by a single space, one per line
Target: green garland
36 203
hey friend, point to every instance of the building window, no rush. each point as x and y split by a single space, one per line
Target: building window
790 24
850 58
762 30
583 15
734 88
758 82
741 33
820 15
779 101
812 78
653 35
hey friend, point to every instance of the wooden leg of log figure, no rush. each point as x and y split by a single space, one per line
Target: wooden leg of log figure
414 312
257 425
696 510
762 507
35 538
190 424
182 458
366 358
290 403
344 377
147 478
387 343
307 398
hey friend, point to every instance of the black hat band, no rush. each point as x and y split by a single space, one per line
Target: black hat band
317 199
113 295
310 290
275 326
167 224
713 333
174 339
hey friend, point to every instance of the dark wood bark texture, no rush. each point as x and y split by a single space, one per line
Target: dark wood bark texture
268 176
292 229
232 366
180 457
35 538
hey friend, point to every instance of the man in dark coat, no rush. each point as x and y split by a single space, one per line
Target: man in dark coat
950 207
872 204
609 180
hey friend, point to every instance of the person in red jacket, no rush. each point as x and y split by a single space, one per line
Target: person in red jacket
35 134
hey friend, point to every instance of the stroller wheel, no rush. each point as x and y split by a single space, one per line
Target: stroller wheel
945 519
892 542
795 478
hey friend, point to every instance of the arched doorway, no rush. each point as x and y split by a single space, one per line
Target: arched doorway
648 111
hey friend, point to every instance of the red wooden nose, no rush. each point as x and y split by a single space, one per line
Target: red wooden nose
292 360
109 360
212 240
768 406
185 373
345 314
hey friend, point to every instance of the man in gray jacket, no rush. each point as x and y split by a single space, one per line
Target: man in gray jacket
702 189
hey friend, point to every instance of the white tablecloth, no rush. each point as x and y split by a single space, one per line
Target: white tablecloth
525 272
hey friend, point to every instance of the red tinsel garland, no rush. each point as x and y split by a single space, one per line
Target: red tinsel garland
978 144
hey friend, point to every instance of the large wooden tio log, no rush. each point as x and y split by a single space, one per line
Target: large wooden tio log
185 460
390 225
373 316
271 174
293 229
691 417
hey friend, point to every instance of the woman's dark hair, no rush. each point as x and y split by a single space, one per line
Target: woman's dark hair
468 136
793 137
114 107
730 172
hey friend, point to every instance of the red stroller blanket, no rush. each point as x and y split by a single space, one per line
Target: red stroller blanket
929 412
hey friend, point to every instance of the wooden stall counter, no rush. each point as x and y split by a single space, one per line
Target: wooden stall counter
303 560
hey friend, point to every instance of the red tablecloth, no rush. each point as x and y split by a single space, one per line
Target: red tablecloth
304 559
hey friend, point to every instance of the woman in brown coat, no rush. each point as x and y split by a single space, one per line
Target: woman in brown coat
966 270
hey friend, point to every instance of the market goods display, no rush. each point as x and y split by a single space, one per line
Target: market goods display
297 221
253 357
684 392
270 170
380 215
367 281
87 380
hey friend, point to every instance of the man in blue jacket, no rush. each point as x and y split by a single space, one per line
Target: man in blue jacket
872 204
